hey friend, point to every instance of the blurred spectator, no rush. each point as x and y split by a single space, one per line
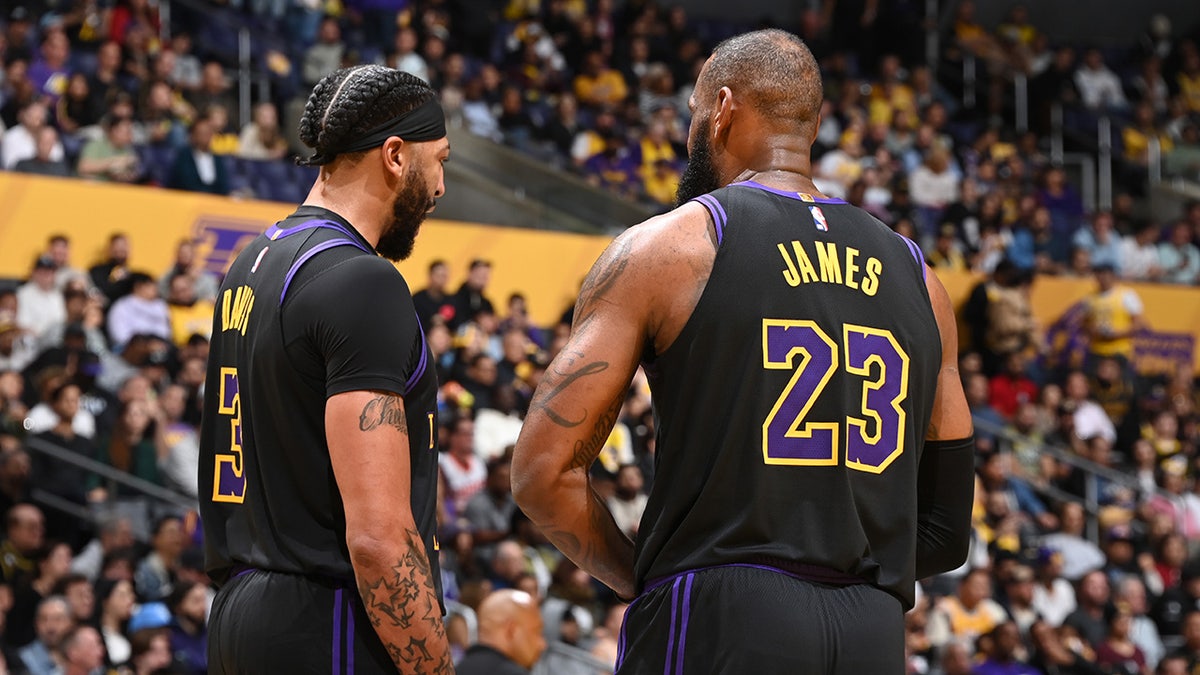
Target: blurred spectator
48 71
598 85
1005 657
968 614
24 530
463 470
157 573
1137 137
188 314
189 620
181 442
470 298
82 651
628 501
1079 556
214 90
142 312
1131 593
1100 241
150 651
433 300
204 284
1053 596
40 304
65 481
77 110
262 138
111 277
196 168
490 510
115 602
405 57
52 622
1099 88
43 163
51 563
1114 316
112 534
1189 81
111 157
164 115
1139 254
1011 387
945 254
325 56
20 142
510 636
223 141
1178 256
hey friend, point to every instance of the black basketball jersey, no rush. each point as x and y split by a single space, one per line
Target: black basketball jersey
791 410
307 311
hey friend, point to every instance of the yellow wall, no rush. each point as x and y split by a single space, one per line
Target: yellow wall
546 266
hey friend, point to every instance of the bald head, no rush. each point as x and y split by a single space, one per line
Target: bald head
511 623
772 70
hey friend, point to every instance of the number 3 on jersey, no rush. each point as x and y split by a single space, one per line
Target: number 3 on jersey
874 440
229 480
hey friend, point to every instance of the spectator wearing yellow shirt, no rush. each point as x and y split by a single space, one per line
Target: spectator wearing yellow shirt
599 85
189 316
891 94
1189 81
653 147
662 183
224 142
1114 316
946 254
1136 137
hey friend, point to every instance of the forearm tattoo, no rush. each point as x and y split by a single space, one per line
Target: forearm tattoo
402 605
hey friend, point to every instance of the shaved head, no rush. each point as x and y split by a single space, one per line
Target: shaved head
772 70
511 623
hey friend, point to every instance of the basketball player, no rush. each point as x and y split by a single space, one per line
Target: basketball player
814 446
318 473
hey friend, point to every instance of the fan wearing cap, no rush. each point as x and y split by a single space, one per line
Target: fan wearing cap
318 476
40 304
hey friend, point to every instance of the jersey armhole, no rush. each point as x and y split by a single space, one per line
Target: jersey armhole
717 212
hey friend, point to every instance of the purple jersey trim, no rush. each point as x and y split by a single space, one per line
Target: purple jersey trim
323 246
350 633
276 232
337 631
916 252
687 610
422 364
789 195
720 219
674 613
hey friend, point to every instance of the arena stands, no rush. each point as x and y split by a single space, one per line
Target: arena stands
988 152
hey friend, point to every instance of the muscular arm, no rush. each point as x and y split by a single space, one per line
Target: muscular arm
368 446
945 482
572 414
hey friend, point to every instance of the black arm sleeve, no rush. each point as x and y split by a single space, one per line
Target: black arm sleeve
945 495
359 316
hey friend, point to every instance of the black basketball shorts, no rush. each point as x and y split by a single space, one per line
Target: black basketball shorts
268 622
743 619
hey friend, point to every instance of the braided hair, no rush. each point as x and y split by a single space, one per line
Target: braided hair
349 102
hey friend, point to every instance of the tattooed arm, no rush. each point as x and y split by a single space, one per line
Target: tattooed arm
639 292
368 444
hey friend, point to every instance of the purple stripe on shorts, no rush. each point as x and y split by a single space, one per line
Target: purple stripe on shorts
687 609
276 232
323 246
674 611
337 631
350 633
790 195
720 219
623 641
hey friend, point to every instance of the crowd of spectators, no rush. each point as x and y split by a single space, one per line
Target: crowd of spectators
109 362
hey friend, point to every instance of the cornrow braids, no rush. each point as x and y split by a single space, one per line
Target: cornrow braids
349 102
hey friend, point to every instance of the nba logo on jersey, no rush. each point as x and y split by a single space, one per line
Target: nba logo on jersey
819 218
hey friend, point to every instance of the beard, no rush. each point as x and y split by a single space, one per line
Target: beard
409 209
700 176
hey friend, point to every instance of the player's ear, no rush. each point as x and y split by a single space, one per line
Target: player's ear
722 118
393 156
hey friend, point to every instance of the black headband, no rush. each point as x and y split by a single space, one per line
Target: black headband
427 122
